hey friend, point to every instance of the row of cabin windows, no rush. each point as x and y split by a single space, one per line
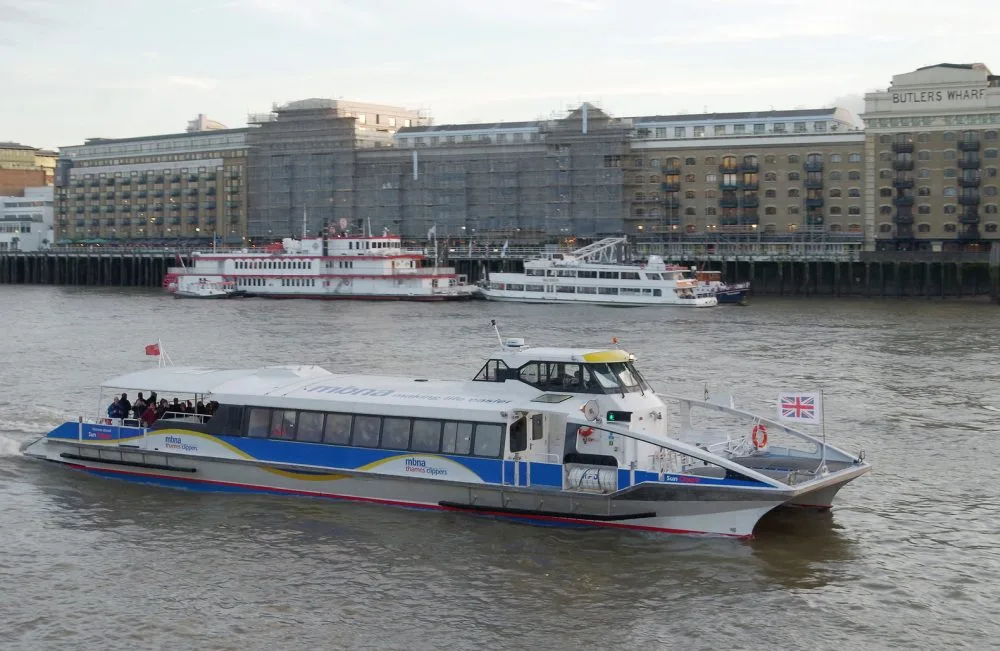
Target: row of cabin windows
274 264
392 244
298 282
605 275
572 289
385 432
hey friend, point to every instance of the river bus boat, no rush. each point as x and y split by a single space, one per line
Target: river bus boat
565 436
357 267
593 275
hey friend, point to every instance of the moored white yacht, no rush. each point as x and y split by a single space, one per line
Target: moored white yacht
355 267
572 436
592 274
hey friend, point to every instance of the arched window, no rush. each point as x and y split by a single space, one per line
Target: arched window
729 163
835 210
885 228
835 192
923 228
885 210
834 158
770 210
854 192
793 192
836 228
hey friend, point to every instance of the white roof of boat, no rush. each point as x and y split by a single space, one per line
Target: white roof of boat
386 390
514 357
195 379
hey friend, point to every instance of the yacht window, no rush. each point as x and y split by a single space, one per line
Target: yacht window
534 288
310 427
258 423
630 275
652 276
338 429
456 438
657 292
364 434
426 436
551 272
396 433
586 274
566 289
630 290
611 275
489 439
607 290
515 288
534 272
283 424
586 290
519 435
566 273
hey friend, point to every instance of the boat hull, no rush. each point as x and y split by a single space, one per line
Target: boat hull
677 509
573 300
732 296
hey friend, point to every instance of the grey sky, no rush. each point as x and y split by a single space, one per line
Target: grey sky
75 69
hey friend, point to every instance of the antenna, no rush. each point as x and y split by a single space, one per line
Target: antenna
304 222
493 322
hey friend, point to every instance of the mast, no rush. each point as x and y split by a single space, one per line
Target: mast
305 223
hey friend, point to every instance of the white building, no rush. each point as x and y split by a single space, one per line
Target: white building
26 222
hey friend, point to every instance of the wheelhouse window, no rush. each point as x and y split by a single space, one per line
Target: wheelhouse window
492 371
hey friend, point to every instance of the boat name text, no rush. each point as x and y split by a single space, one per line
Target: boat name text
177 443
380 393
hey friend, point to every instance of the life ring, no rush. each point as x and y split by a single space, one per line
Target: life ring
585 432
759 436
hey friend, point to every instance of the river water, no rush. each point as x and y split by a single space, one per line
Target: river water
908 558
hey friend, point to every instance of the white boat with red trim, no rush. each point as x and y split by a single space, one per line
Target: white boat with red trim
564 436
365 267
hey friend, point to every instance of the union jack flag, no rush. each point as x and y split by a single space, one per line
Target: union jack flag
800 407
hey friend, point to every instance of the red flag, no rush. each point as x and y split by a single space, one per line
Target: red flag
153 349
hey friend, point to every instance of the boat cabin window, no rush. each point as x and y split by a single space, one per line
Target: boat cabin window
426 436
566 273
283 424
338 429
367 431
630 275
456 438
652 276
493 370
364 434
586 274
534 272
489 439
396 433
258 425
310 427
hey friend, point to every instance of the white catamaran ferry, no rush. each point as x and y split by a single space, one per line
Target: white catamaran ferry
592 275
561 435
366 268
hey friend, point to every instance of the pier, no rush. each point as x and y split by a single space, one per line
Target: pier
792 273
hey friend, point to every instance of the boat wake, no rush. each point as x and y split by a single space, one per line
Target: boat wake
9 446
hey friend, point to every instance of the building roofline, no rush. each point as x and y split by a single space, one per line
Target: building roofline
165 136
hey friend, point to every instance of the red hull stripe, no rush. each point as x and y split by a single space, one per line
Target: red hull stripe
378 500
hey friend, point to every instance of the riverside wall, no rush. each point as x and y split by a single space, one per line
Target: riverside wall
876 275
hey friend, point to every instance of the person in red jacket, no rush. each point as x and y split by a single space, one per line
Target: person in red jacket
149 416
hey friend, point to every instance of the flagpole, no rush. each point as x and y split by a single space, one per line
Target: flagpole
822 418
